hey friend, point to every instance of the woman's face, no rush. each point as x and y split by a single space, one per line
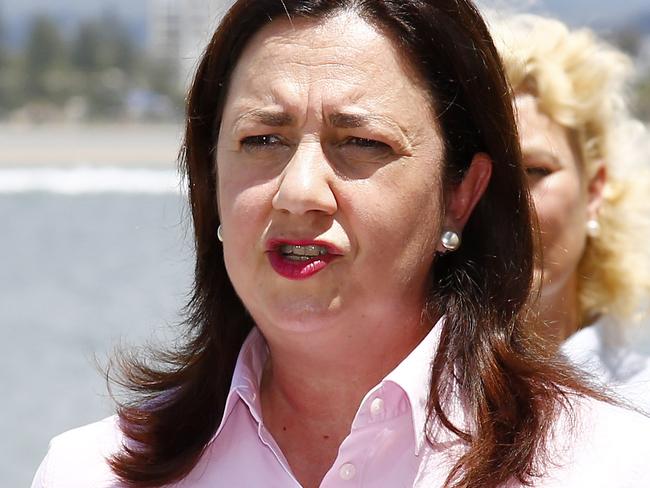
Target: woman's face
564 199
329 166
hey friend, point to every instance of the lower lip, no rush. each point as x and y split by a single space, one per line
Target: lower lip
298 270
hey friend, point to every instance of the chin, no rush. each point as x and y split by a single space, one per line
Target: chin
554 281
310 314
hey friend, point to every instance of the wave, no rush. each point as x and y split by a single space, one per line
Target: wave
87 180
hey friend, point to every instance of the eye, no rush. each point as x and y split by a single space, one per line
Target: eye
364 143
538 172
361 149
256 143
539 164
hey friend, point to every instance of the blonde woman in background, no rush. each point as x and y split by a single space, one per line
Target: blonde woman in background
589 181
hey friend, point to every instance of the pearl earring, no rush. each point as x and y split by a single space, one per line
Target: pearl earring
450 240
220 233
593 228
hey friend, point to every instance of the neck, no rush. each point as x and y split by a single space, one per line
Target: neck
560 313
312 375
313 384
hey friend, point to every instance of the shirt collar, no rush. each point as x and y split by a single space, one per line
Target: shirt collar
412 376
246 378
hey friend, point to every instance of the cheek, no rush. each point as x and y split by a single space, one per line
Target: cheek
561 210
245 207
244 217
559 203
243 192
401 217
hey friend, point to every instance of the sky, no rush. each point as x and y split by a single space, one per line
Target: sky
597 11
579 12
576 12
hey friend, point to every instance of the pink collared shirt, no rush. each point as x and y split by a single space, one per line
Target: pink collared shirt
386 447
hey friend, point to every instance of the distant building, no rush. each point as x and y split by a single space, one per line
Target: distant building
643 59
178 31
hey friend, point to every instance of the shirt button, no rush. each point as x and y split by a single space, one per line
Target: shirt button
347 471
376 408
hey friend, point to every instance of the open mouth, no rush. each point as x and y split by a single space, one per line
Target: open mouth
297 260
302 253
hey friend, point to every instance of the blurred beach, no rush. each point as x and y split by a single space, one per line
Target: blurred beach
96 253
82 144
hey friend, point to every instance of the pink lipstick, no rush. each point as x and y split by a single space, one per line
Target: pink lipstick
300 259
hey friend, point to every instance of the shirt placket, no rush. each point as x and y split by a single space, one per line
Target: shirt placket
356 451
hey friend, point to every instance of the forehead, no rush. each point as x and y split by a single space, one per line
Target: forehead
540 134
536 128
337 60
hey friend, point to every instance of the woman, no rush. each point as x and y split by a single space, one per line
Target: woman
342 334
580 148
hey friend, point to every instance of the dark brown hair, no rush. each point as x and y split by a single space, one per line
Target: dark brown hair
485 354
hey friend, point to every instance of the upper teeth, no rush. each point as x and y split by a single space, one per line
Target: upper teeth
310 250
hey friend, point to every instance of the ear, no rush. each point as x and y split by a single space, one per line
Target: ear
596 191
463 198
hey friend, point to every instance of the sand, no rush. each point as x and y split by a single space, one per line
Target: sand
69 145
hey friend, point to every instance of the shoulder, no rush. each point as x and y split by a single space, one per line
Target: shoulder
78 458
588 350
616 356
605 424
586 339
597 444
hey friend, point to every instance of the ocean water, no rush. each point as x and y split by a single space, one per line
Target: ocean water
89 260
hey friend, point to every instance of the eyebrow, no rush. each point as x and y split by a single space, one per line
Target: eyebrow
339 120
272 118
539 153
346 120
349 121
278 118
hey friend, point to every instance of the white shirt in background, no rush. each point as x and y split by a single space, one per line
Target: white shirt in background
618 358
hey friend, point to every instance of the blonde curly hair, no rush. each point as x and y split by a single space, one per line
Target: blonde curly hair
579 81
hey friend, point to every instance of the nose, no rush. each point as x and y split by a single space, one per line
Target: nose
306 183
